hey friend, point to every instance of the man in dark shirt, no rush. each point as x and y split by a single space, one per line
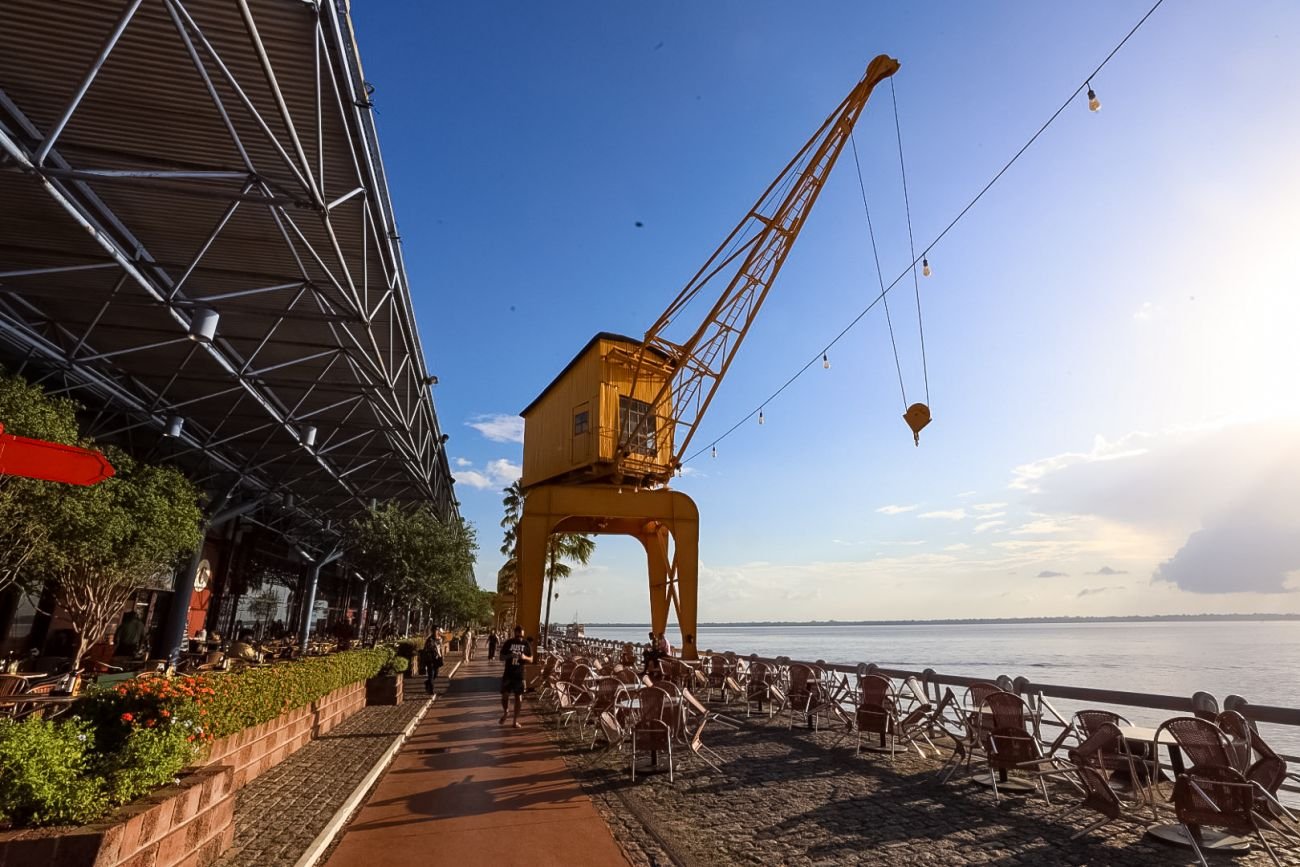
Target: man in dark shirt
515 652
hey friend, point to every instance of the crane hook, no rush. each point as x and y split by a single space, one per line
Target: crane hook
917 417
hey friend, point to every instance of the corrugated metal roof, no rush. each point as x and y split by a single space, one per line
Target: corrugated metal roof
197 171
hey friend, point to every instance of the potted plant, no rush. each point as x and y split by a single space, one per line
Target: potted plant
385 688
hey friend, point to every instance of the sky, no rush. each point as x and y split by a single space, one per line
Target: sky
1110 333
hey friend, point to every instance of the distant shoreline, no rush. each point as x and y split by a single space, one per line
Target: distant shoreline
992 621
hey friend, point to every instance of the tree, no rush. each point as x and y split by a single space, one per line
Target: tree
29 507
117 536
513 505
414 559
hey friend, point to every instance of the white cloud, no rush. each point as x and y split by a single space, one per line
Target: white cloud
1146 312
473 478
504 471
499 428
960 546
947 515
1106 570
463 462
987 525
1217 502
966 494
1048 573
895 510
498 473
988 507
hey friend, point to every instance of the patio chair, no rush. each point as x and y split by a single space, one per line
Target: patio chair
1220 797
875 712
806 695
614 732
1265 768
627 677
719 675
1205 706
654 728
12 684
1009 743
1088 762
761 689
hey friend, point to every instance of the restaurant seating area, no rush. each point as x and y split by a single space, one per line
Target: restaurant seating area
1206 780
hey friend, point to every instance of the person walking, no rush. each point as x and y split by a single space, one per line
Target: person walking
431 659
493 641
514 653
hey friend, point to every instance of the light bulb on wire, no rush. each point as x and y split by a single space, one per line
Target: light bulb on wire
1094 104
826 362
925 267
715 452
760 416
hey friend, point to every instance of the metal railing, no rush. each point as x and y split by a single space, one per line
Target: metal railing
934 682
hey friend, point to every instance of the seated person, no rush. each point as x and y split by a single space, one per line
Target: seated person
243 649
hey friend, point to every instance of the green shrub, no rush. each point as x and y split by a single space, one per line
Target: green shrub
407 648
148 759
396 665
128 739
44 773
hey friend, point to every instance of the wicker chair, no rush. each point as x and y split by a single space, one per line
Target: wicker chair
761 689
655 726
1008 742
1264 767
805 695
1089 763
876 711
1218 796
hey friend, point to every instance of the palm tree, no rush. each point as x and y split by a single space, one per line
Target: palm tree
576 547
561 549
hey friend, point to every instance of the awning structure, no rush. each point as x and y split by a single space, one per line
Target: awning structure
197 243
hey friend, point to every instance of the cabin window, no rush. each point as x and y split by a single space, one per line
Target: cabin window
637 426
581 422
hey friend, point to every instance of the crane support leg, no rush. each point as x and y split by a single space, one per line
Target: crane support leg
666 522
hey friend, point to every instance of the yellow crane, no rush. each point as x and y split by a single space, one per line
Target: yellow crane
604 439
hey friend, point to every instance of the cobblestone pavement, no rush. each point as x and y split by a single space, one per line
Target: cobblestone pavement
279 814
802 798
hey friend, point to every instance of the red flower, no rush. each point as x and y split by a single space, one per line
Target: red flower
126 717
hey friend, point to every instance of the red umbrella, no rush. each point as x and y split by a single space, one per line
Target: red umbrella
52 462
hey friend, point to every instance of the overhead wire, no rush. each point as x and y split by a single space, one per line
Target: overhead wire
948 228
880 274
911 245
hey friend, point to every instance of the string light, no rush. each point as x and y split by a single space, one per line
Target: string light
826 362
925 268
760 416
1094 104
715 451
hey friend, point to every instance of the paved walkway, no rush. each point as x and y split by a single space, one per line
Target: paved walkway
465 790
279 814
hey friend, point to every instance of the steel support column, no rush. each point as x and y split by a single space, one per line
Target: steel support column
309 597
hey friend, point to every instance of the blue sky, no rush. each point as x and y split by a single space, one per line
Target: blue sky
1109 333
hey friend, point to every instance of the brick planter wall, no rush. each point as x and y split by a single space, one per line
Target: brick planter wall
255 750
384 689
190 823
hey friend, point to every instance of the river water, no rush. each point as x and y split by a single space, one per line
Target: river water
1259 660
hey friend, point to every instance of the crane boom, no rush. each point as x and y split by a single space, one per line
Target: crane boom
752 254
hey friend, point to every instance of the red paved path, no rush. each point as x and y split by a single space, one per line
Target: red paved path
465 790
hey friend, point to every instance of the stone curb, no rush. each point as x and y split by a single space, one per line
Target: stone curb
340 818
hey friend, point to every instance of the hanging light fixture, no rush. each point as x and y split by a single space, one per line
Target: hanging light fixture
203 325
175 424
925 267
826 362
715 451
760 416
308 436
1094 104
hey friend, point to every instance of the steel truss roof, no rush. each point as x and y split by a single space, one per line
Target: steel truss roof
163 158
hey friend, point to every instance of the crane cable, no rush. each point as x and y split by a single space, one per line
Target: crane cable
955 220
911 246
880 274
